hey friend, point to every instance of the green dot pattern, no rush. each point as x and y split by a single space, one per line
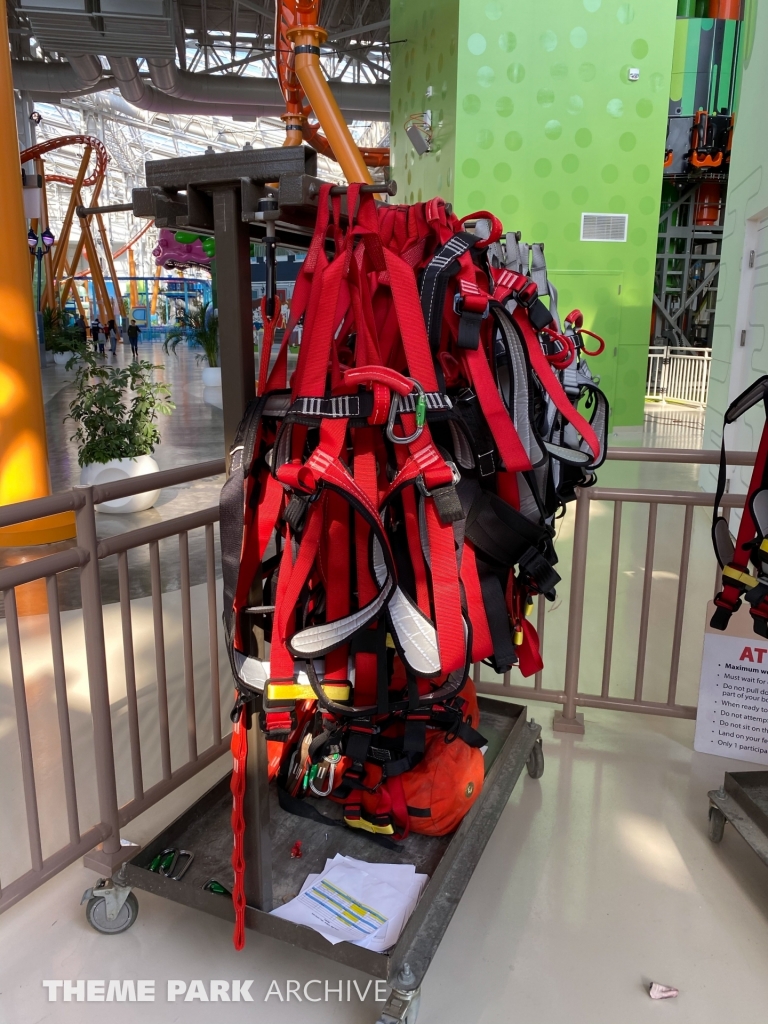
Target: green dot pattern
539 122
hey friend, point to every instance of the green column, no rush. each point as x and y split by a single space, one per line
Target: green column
536 119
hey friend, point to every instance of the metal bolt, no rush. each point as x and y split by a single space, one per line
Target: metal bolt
406 976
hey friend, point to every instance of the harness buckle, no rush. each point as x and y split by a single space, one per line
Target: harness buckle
394 405
527 295
458 307
454 482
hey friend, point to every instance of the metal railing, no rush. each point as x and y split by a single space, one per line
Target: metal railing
678 374
85 556
576 692
188 705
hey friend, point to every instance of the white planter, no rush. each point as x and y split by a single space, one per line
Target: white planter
212 396
62 358
212 377
122 469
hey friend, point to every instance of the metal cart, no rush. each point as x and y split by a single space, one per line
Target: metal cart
742 801
272 876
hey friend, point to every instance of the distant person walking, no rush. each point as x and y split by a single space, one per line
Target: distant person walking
133 336
112 335
95 328
102 339
81 328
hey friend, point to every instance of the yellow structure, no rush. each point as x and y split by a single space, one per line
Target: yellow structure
23 447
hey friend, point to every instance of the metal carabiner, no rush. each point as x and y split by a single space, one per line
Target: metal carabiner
394 405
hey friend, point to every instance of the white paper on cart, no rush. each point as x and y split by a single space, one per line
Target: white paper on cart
356 901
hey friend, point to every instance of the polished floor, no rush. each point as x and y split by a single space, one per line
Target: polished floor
599 879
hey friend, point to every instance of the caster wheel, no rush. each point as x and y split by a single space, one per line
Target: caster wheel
413 1010
535 762
716 824
96 914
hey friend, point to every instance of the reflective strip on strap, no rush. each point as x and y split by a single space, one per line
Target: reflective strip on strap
741 577
764 544
340 407
434 399
295 691
357 406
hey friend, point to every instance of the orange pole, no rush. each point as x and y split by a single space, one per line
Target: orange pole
50 295
66 227
75 293
318 92
23 445
112 269
155 291
80 244
102 296
134 286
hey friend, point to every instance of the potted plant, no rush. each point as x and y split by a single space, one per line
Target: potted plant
61 338
199 327
115 409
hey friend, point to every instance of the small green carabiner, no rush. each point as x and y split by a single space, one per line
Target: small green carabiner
421 410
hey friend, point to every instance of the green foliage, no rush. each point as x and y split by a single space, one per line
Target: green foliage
115 409
199 327
59 334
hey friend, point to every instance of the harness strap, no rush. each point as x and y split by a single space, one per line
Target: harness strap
239 748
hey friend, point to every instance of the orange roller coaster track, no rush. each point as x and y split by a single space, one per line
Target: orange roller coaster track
96 146
298 110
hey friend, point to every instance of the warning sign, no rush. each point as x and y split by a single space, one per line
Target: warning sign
732 718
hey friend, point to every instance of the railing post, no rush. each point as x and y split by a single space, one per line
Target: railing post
109 854
664 383
569 720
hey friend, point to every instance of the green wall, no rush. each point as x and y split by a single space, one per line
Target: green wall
424 36
547 126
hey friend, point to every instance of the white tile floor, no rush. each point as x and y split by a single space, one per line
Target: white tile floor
597 880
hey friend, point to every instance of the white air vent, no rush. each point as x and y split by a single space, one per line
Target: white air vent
604 227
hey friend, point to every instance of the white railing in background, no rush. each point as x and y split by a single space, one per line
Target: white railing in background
678 374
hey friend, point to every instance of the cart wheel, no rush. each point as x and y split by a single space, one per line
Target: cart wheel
96 913
410 1015
717 822
535 762
413 1009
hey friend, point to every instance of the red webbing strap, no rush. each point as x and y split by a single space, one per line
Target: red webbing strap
545 373
304 290
747 528
495 412
239 749
529 659
445 591
309 379
410 319
425 461
280 658
411 520
364 468
335 569
731 593
268 335
288 596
